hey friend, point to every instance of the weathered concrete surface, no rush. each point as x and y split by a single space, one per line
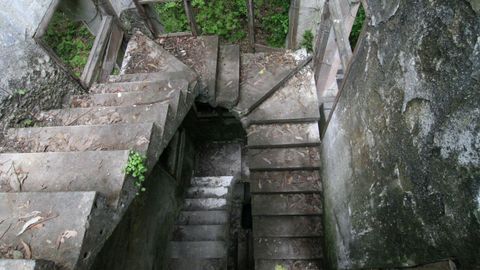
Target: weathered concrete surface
26 265
286 204
289 264
282 226
290 249
218 159
31 80
401 153
228 78
285 181
284 158
308 14
283 135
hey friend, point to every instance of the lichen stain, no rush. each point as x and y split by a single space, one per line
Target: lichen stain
419 118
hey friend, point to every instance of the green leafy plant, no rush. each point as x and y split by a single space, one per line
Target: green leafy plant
272 16
357 27
20 92
307 41
137 168
71 41
280 267
27 123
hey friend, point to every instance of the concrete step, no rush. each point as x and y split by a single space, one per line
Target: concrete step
137 137
200 233
285 181
207 192
11 264
286 204
205 204
202 218
287 226
212 181
160 114
201 55
288 248
65 171
261 75
197 264
283 135
289 264
296 101
62 227
198 249
284 158
144 55
228 78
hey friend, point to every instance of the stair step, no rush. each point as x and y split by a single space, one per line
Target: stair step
200 233
135 86
202 217
65 171
197 264
212 181
200 54
205 204
10 264
130 98
288 248
60 220
284 158
289 264
198 249
82 138
286 204
285 181
160 114
283 135
207 192
144 55
296 101
287 226
228 79
261 75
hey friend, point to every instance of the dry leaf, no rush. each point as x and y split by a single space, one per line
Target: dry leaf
29 223
28 251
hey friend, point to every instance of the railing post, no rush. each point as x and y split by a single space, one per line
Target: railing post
143 13
341 34
251 25
191 17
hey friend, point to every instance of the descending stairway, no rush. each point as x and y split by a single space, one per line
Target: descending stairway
201 231
64 188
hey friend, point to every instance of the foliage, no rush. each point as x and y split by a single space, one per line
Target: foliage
307 41
273 17
280 267
137 168
228 18
27 123
357 26
71 41
20 92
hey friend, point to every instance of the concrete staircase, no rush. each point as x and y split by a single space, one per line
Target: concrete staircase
64 188
201 232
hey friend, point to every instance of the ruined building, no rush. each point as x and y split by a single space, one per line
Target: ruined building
182 151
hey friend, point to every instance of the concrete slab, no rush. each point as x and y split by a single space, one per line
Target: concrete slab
198 249
296 101
228 78
207 192
284 158
285 181
205 204
283 135
200 233
287 226
260 74
214 181
288 248
58 225
201 55
26 265
289 264
65 171
202 217
286 204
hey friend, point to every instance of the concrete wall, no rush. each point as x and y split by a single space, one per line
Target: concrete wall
401 155
30 79
308 14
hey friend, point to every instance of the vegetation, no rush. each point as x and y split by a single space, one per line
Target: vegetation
228 18
307 41
357 27
71 41
137 168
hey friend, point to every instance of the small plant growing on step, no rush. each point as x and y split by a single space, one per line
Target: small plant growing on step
136 167
307 41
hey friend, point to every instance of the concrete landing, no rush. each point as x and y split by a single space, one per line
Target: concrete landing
228 78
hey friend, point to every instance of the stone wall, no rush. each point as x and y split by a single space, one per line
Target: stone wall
31 80
401 154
